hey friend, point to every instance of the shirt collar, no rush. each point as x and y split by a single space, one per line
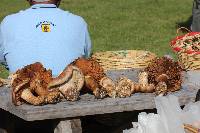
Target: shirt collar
36 6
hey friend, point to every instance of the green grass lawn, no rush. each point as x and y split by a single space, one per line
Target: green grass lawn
123 24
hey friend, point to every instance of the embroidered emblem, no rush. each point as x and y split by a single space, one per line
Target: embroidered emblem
46 26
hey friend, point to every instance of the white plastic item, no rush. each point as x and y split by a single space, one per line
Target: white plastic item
136 128
170 112
191 114
147 123
151 123
170 117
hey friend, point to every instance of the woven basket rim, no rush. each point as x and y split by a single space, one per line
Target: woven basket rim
180 49
124 59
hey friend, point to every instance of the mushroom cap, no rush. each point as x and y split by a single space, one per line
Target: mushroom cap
162 78
23 78
90 67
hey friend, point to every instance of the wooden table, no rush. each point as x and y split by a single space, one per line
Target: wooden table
88 105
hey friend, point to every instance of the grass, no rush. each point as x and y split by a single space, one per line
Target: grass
124 24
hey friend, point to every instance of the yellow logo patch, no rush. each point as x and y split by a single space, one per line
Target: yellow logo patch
46 28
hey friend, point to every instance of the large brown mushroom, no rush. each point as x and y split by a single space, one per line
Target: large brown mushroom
29 84
95 78
167 71
69 82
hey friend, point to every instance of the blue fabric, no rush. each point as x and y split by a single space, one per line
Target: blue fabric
46 34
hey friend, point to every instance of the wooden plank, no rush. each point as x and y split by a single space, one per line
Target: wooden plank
88 105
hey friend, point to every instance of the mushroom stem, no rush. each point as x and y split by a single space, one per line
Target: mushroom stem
78 77
143 78
144 85
108 85
30 98
161 89
69 91
93 86
125 87
63 77
71 88
17 88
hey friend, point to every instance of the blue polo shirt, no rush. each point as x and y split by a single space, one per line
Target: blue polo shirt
43 33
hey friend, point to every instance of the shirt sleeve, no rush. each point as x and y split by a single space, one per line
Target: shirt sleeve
88 44
2 59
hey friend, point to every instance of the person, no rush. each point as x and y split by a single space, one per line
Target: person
43 33
196 16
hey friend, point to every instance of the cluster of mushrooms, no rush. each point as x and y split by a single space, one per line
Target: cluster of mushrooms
35 85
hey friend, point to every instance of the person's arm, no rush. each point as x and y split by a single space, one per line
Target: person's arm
88 44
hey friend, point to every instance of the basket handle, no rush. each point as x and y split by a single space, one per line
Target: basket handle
178 30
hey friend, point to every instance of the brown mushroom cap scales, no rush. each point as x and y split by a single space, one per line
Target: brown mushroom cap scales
96 79
29 84
167 70
90 67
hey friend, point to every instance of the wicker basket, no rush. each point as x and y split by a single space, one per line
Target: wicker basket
188 53
124 59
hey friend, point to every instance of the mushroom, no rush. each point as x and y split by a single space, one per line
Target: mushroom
108 85
162 78
96 80
161 89
29 84
94 87
125 87
166 70
144 85
4 82
69 82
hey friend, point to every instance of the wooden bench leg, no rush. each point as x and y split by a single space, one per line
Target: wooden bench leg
69 126
3 130
6 122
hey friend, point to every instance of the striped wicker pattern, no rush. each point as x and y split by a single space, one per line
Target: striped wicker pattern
124 59
189 61
187 47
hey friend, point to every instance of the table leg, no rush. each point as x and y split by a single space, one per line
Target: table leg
3 130
69 126
6 122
